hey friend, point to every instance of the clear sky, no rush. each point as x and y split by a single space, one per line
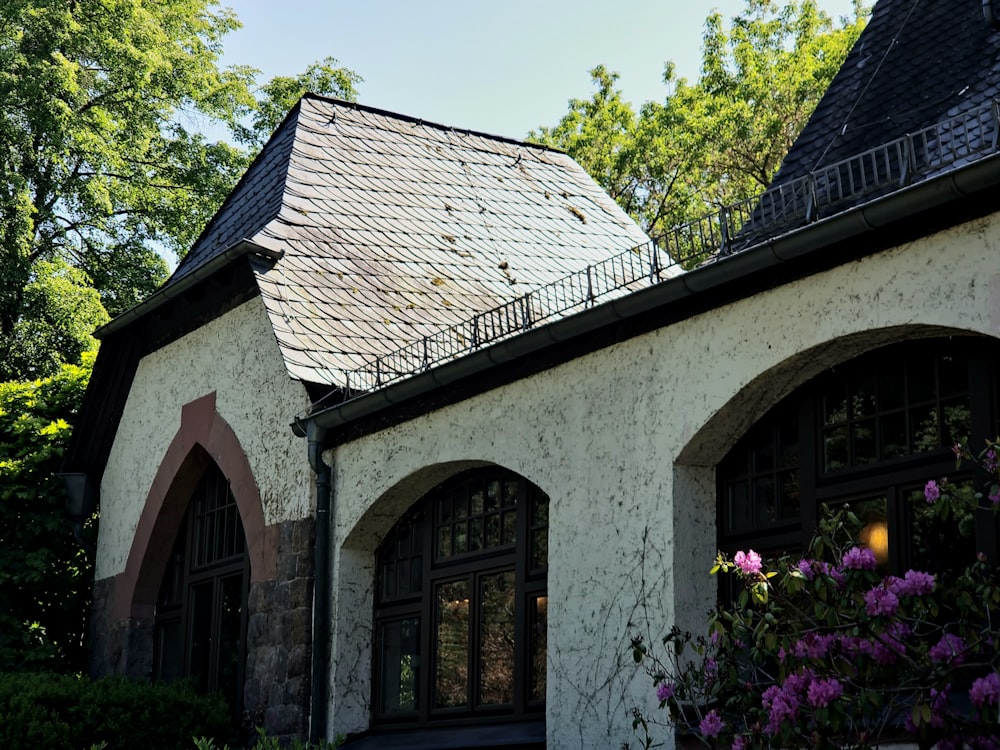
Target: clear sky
502 67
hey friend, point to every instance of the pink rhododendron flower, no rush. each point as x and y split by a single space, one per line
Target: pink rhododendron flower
813 646
739 742
712 724
664 691
824 692
914 583
859 558
806 568
881 601
932 493
985 691
994 496
782 705
748 562
949 650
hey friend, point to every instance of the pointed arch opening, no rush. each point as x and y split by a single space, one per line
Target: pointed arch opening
201 608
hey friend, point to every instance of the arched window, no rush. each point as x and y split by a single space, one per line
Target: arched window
460 604
200 628
870 432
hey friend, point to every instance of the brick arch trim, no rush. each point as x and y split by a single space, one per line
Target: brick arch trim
203 436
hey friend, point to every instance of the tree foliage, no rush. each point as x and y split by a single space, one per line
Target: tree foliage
718 139
103 164
45 577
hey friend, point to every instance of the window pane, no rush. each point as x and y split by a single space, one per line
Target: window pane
835 404
957 421
953 374
539 548
891 392
476 508
765 507
942 547
230 615
921 382
451 673
537 647
924 429
169 650
788 443
496 638
863 401
201 634
493 530
493 496
893 435
788 498
763 455
835 449
400 662
509 531
864 442
739 506
444 541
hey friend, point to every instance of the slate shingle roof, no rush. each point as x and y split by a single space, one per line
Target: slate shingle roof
917 62
392 228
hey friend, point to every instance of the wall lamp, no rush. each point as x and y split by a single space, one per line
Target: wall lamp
81 502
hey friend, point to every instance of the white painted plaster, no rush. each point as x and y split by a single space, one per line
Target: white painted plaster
237 357
624 441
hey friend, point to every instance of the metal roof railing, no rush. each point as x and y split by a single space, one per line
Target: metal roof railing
827 191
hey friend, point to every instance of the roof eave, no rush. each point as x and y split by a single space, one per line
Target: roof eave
795 246
170 291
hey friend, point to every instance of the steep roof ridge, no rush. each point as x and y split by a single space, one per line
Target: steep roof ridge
427 123
913 64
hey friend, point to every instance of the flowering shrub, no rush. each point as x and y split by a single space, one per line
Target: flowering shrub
829 651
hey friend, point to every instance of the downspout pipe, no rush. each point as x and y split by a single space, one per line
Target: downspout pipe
321 583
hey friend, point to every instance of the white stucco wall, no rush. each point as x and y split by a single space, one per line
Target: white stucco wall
236 356
623 441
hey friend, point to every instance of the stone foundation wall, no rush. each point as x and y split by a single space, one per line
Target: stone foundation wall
279 637
118 647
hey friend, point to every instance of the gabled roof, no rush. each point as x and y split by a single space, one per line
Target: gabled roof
917 63
392 228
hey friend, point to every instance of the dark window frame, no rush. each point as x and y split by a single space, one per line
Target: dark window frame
212 565
423 527
892 476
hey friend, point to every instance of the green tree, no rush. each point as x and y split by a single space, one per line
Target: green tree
60 310
721 138
103 164
45 577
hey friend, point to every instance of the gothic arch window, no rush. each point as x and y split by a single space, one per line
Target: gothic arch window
200 623
870 432
460 605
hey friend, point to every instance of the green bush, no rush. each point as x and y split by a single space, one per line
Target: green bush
58 712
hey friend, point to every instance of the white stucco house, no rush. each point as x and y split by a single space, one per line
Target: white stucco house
423 430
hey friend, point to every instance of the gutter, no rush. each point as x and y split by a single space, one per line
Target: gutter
783 249
171 291
321 578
